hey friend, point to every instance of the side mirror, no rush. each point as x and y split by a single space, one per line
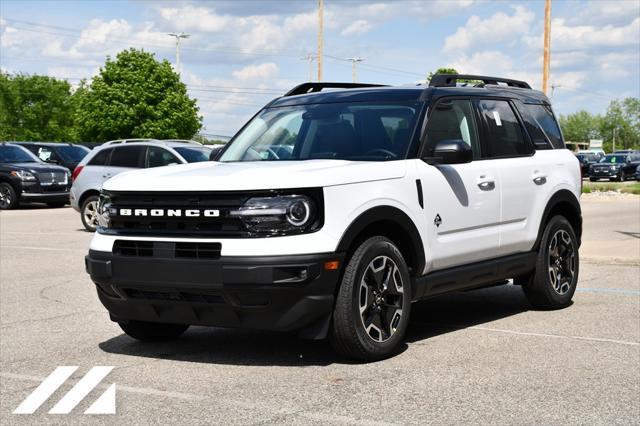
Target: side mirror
450 151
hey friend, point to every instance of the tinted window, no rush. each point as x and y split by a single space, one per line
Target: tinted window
346 131
535 130
614 159
452 119
157 157
196 154
127 156
47 154
16 154
543 115
503 133
72 153
100 159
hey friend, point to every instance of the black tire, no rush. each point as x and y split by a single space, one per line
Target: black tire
386 305
593 179
56 205
8 197
623 176
152 331
541 290
88 206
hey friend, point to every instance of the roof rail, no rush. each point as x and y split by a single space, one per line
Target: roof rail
449 80
118 141
310 87
183 141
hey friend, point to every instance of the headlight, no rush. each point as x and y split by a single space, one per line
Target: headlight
279 214
104 205
23 175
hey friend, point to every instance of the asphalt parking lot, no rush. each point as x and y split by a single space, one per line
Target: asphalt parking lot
480 356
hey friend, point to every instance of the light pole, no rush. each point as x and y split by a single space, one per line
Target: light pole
178 37
320 37
354 61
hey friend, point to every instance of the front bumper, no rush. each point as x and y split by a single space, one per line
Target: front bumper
604 174
45 197
281 293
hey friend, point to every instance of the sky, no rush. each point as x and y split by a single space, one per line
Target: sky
243 53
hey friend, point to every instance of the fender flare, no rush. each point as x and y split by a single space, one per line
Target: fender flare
386 214
562 196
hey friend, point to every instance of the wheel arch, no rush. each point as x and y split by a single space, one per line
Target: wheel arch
87 194
563 203
389 222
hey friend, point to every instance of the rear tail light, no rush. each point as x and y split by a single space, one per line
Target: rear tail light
76 172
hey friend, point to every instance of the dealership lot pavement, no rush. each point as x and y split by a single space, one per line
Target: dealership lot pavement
478 356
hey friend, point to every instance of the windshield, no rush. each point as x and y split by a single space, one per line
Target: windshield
72 153
363 131
586 157
16 154
194 154
614 159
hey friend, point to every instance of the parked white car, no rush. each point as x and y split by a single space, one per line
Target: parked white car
123 155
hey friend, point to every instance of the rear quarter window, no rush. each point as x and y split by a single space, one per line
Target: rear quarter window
101 157
546 122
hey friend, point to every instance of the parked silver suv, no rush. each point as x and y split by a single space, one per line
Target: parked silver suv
119 156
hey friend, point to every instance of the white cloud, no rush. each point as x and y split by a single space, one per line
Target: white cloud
601 13
493 30
358 27
262 72
191 18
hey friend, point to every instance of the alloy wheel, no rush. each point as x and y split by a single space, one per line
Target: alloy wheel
5 197
380 298
91 213
562 261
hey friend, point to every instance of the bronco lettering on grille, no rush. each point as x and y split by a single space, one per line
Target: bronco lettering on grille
169 212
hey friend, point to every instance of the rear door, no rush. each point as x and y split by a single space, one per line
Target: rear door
461 201
524 173
124 158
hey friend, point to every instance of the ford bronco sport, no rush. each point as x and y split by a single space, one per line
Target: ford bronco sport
331 211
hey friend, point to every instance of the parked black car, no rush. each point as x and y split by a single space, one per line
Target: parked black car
637 173
24 178
586 159
615 167
65 154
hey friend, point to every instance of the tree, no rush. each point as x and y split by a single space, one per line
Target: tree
580 126
442 71
623 119
36 108
136 96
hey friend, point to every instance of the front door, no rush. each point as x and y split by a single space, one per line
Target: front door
461 201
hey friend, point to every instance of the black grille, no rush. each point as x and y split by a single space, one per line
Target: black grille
180 296
161 249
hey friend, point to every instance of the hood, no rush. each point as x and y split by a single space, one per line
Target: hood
35 167
255 175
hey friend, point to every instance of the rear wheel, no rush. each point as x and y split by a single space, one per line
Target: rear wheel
373 303
8 198
554 281
89 213
152 331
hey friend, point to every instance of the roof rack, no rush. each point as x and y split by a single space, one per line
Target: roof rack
450 80
118 141
310 87
183 141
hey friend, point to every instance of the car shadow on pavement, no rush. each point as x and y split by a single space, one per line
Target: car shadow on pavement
429 318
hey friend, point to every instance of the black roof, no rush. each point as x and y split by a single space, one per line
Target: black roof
402 93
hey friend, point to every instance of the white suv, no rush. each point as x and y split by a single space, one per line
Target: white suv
330 212
120 156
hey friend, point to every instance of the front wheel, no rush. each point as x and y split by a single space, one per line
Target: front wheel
373 303
554 281
623 176
89 213
152 331
8 198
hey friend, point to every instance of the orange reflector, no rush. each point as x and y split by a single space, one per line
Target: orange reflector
331 266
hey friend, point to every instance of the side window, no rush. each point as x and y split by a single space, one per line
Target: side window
47 154
543 115
503 133
127 156
539 139
157 157
100 159
452 119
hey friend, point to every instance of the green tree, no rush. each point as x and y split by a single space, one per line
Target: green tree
580 126
442 71
136 96
36 108
623 119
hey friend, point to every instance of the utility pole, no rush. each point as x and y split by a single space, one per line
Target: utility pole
547 45
614 140
354 61
320 38
178 37
310 57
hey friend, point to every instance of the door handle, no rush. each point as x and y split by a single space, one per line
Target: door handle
486 183
539 179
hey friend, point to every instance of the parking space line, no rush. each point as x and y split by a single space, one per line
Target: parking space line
41 248
557 336
622 291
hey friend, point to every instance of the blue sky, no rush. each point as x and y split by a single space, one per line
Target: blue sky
242 53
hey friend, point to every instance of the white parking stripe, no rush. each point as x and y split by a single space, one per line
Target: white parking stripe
45 390
557 336
81 389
